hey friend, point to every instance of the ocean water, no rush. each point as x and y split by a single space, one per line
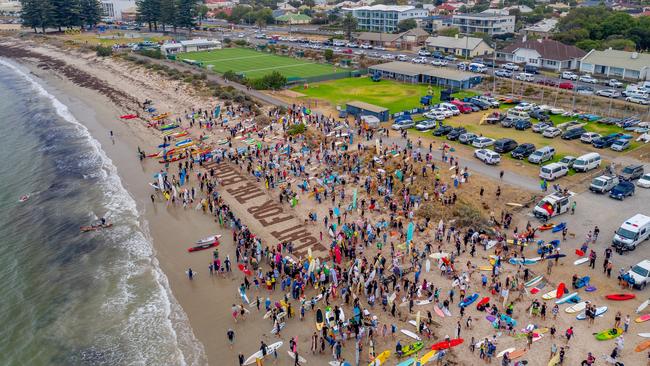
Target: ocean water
71 298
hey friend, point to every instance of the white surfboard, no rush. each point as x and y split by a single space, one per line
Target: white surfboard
293 357
421 302
643 306
550 295
427 265
577 307
269 350
439 255
275 329
580 261
507 350
410 334
491 244
644 335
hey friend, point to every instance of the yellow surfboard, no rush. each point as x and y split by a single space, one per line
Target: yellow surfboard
427 357
380 359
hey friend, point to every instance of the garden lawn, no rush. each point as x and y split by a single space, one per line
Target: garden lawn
254 64
390 94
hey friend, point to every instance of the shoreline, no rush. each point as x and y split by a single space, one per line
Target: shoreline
205 303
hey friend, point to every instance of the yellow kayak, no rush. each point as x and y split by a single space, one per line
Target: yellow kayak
380 359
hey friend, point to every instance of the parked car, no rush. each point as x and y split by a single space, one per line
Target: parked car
467 138
462 107
524 107
403 124
637 100
541 126
435 114
631 172
587 162
567 160
644 181
504 145
566 85
480 103
446 112
509 121
542 155
427 124
503 73
568 75
588 137
482 142
539 115
588 79
493 102
487 156
450 58
553 171
442 130
524 76
584 90
455 133
614 83
531 69
608 93
622 190
620 145
522 125
510 66
603 142
439 62
552 132
424 53
419 60
547 82
402 58
603 183
573 133
523 151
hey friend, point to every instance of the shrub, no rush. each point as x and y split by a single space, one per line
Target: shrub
296 129
151 53
104 51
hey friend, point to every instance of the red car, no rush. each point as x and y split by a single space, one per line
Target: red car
348 51
462 107
566 85
547 82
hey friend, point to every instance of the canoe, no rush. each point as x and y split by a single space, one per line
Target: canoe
468 300
408 333
412 348
599 311
609 334
642 318
447 344
642 346
620 297
269 350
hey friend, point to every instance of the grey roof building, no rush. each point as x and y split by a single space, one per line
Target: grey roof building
613 63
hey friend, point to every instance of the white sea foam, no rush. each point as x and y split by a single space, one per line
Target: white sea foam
132 234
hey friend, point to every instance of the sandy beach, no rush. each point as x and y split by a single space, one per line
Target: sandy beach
116 88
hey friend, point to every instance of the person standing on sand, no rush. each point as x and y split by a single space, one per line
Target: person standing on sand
231 337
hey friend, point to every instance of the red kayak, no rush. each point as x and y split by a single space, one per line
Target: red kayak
129 116
243 268
203 246
579 253
483 301
545 227
620 297
444 344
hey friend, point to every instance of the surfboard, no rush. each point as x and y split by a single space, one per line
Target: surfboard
427 357
485 268
438 311
517 353
293 357
555 360
380 359
644 335
577 307
642 306
549 295
275 329
269 350
599 311
533 281
642 318
319 319
580 261
507 350
439 255
566 298
408 333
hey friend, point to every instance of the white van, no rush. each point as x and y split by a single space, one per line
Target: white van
553 171
513 113
632 232
450 107
640 274
541 155
587 162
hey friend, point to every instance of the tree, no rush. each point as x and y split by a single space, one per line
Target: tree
406 24
350 24
35 14
186 14
148 11
329 55
91 12
238 13
449 32
168 13
309 3
201 12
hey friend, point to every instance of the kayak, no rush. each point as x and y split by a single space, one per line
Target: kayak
545 227
559 227
129 116
468 300
203 246
609 334
620 297
483 301
447 344
380 359
412 348
561 289
94 227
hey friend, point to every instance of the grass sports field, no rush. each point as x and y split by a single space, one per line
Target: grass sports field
254 64
386 93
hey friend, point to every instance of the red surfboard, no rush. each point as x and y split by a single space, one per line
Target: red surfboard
579 252
243 268
202 246
534 290
620 297
444 344
561 288
483 301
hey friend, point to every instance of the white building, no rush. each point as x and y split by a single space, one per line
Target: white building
113 8
384 18
613 63
490 24
191 45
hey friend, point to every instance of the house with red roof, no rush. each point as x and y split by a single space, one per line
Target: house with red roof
543 53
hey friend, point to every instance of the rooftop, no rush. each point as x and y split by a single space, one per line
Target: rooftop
454 42
367 106
407 68
622 59
544 25
398 8
548 49
481 15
